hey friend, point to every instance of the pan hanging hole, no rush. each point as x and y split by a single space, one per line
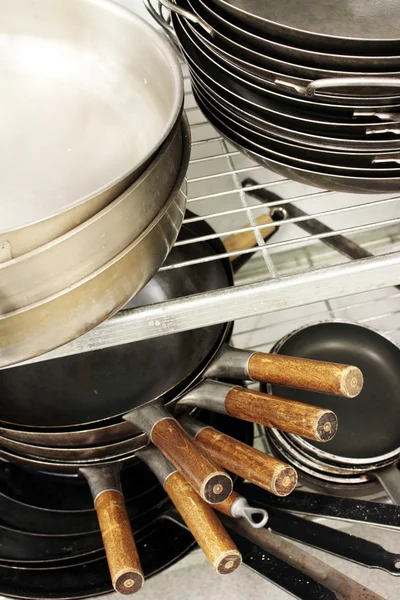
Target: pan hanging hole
397 564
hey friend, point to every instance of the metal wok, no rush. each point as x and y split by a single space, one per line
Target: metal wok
356 182
346 162
212 73
369 440
78 253
297 54
348 25
40 327
62 64
321 84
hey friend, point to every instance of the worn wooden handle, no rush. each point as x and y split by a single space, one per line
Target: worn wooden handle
293 417
314 375
204 525
122 557
265 471
209 481
226 506
237 242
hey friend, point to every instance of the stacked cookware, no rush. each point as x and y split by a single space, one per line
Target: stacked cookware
95 148
311 90
91 415
363 459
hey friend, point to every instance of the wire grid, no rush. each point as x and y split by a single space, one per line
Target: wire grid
217 196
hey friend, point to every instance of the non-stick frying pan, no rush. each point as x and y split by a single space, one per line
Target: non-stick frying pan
369 433
349 25
300 80
262 124
335 161
356 182
231 84
296 54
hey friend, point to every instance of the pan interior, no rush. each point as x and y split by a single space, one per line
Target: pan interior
369 423
81 109
94 386
345 19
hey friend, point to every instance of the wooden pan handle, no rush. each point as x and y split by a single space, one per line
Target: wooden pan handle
288 415
226 506
204 525
237 242
257 467
314 375
213 484
122 556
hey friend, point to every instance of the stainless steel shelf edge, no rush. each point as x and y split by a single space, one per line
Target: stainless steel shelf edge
242 301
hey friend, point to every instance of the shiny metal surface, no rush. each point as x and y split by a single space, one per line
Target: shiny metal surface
230 363
157 462
102 479
83 113
209 395
78 253
50 323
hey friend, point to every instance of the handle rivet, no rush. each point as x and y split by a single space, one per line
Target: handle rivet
286 481
218 489
327 427
229 564
129 583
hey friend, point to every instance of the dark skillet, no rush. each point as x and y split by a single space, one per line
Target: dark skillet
369 423
36 502
249 95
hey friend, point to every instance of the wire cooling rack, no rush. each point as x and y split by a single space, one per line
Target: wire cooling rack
291 270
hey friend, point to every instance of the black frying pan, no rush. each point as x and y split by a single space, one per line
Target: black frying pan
288 76
249 95
369 433
336 161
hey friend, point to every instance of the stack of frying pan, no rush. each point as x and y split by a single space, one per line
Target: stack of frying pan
88 415
311 90
94 154
363 458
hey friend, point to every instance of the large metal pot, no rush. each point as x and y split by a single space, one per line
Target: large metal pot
51 268
83 112
40 327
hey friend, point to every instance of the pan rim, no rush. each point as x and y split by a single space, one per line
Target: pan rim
388 456
176 78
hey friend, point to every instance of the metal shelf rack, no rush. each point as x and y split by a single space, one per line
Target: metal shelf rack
292 270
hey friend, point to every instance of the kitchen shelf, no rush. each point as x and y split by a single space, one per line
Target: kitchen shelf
292 270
